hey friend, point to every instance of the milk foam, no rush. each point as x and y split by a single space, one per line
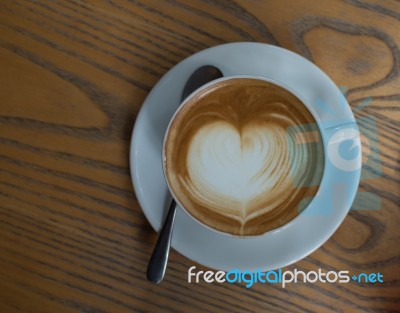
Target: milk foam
230 170
235 161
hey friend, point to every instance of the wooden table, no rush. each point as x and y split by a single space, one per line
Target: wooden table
73 75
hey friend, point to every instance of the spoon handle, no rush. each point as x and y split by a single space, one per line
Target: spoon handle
159 259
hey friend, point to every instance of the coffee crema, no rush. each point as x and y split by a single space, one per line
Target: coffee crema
243 156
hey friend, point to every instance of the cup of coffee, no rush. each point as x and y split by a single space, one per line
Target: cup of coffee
243 155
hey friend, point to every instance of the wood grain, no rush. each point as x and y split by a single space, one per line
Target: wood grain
73 75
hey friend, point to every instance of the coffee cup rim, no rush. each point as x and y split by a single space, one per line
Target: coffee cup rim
217 81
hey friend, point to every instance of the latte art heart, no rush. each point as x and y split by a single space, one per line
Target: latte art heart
229 171
234 161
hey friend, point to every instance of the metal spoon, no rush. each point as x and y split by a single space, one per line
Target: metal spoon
159 259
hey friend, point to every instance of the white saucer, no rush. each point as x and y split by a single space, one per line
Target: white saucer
304 234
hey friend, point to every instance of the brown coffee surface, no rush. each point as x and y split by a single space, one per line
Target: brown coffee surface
244 156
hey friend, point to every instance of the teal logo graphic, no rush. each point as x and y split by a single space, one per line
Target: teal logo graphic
343 152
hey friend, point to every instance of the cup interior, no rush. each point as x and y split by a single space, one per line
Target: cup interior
317 127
